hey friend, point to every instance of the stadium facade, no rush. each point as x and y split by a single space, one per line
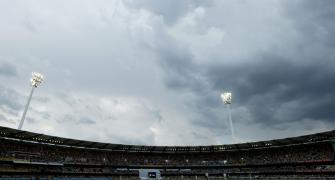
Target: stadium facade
28 154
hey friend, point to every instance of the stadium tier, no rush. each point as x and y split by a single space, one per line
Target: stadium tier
30 154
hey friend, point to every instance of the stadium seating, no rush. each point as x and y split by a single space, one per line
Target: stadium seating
311 155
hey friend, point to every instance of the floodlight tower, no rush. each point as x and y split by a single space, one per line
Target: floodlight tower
35 80
226 98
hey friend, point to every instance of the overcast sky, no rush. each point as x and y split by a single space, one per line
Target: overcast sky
151 72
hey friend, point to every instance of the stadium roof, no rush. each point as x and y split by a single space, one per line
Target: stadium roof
10 133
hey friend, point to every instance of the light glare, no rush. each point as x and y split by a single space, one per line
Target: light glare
226 97
36 79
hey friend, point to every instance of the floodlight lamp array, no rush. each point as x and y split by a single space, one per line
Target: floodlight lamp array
226 97
36 79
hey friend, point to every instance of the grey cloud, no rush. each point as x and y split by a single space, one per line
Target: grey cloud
110 117
42 99
7 69
170 10
316 28
177 62
67 118
9 98
70 118
29 25
200 136
86 120
11 111
157 114
4 118
31 120
45 115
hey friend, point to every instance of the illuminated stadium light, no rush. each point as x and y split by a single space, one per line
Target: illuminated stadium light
35 80
226 97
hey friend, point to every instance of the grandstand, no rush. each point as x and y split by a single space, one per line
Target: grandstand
39 156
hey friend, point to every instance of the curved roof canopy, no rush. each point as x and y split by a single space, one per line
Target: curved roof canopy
9 133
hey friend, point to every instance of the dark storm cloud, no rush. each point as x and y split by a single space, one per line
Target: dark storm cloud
276 86
314 21
182 74
7 69
179 69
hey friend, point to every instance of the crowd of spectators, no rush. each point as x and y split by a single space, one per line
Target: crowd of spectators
36 152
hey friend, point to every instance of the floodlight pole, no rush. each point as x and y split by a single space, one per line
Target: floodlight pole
26 108
231 123
227 99
36 80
